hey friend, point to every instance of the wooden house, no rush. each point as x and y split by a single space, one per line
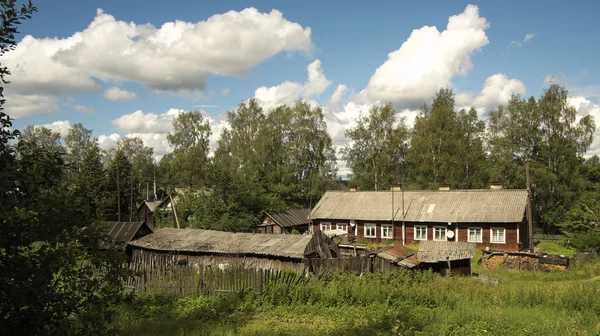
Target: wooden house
121 233
446 257
201 248
285 222
146 212
490 218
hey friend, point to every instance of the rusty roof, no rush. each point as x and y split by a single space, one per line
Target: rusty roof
463 206
400 255
436 251
120 233
290 218
195 240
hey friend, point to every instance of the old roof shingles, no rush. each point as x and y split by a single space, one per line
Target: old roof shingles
463 206
209 241
290 218
436 251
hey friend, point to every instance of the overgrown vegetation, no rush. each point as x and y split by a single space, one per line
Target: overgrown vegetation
523 303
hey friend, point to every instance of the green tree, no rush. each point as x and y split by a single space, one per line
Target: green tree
378 149
76 142
190 140
473 172
119 184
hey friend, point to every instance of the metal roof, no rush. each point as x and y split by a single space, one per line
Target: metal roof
193 240
289 218
436 251
120 232
463 206
400 255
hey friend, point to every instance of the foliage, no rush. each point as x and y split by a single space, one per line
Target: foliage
401 303
586 241
378 149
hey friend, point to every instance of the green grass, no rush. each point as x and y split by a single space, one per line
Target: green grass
523 303
555 247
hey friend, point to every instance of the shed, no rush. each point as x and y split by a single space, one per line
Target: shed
285 221
447 257
121 233
146 212
202 248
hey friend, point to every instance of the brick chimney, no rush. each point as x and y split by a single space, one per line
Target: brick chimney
444 187
353 188
496 186
396 187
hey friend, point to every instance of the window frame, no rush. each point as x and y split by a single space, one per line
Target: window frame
387 226
445 233
345 225
415 232
368 226
480 234
325 223
503 235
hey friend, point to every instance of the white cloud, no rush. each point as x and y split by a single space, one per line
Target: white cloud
225 91
83 109
61 127
288 92
428 61
585 107
107 142
19 106
496 90
116 94
138 121
176 57
528 37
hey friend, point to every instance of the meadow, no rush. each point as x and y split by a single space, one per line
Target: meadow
401 303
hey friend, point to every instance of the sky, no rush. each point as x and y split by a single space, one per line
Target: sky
127 68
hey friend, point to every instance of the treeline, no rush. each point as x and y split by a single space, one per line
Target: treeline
284 158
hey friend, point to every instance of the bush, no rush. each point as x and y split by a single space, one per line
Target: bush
586 240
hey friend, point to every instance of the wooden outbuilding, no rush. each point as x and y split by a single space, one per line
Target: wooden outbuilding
202 248
446 257
285 221
121 233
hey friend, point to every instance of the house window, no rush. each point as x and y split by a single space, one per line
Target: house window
475 235
420 232
498 235
439 233
342 226
325 226
370 230
387 231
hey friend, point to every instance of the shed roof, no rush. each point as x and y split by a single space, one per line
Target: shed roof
463 206
120 233
193 240
290 218
152 205
436 251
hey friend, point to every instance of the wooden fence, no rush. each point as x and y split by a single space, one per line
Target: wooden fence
185 280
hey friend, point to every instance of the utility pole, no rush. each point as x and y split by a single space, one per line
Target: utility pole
154 168
118 195
529 205
131 196
147 191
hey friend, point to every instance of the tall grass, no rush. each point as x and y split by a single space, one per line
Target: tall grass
400 303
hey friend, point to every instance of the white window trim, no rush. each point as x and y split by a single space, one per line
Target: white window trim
387 226
415 232
492 235
365 230
469 235
337 226
445 233
324 223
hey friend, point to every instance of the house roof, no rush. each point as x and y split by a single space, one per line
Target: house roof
436 251
290 218
193 240
120 233
463 206
399 254
152 205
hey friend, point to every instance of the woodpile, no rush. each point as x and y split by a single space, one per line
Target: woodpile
525 261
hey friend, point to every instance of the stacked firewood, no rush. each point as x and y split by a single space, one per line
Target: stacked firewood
523 262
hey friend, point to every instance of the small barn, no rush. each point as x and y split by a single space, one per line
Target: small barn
121 233
202 248
390 258
146 212
285 221
446 257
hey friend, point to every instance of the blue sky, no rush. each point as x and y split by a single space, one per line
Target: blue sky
351 39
